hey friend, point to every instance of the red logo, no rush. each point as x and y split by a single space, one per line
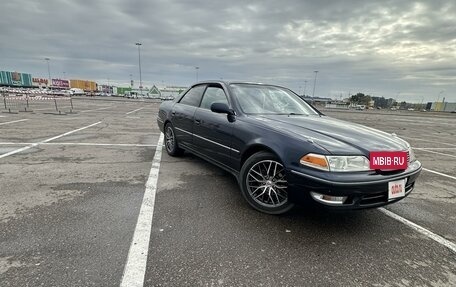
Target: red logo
388 160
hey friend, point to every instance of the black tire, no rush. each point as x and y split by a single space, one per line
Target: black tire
263 183
171 145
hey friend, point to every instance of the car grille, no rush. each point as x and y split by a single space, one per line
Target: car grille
374 198
380 197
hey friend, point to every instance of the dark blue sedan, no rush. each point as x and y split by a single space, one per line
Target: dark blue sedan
282 150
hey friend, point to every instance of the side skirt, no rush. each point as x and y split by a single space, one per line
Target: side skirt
235 173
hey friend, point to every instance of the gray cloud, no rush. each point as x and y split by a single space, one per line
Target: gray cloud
384 48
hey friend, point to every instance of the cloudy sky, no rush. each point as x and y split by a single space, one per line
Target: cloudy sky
399 49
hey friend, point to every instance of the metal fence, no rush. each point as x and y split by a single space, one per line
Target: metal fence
27 103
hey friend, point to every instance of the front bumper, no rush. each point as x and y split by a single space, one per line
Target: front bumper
161 124
362 190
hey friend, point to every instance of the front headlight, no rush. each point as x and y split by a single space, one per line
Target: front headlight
336 163
348 163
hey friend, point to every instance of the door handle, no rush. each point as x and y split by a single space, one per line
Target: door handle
173 113
198 122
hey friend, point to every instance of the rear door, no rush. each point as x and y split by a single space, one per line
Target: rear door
212 132
183 114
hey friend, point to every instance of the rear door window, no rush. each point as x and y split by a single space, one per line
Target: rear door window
193 96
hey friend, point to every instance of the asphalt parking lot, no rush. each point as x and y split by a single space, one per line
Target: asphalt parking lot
72 188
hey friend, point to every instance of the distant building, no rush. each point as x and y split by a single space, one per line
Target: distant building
121 90
337 105
316 101
171 91
443 107
88 86
371 103
154 92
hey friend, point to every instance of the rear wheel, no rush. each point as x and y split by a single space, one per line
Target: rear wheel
264 184
172 147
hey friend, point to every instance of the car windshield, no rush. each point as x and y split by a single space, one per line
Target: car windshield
272 100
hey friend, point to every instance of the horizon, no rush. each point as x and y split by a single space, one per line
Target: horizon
405 51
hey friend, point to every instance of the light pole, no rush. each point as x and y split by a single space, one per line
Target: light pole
64 75
315 81
196 69
305 87
49 71
139 57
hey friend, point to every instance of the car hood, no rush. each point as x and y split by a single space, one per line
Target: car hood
336 136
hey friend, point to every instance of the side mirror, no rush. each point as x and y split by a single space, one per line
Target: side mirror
221 108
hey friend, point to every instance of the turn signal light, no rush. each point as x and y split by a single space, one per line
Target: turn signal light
315 161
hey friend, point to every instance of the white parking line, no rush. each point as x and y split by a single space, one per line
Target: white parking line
435 148
424 140
103 144
436 152
134 111
45 141
16 121
11 143
81 144
135 269
450 245
439 173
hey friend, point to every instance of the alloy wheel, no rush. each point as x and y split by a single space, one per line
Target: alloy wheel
266 183
169 139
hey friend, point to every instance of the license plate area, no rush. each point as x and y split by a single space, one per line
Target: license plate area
396 189
388 160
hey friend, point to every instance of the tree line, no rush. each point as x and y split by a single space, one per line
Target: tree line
381 102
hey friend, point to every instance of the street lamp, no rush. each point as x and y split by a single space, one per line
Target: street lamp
64 75
49 70
315 81
139 57
196 69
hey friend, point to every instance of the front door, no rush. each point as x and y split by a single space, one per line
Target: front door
212 132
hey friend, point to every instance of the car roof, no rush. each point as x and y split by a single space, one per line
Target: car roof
234 82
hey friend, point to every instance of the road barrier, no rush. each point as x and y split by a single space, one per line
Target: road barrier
15 104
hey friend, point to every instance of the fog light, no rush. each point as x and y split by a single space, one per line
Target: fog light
328 199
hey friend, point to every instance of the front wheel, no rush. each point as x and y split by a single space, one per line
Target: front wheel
172 147
264 185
